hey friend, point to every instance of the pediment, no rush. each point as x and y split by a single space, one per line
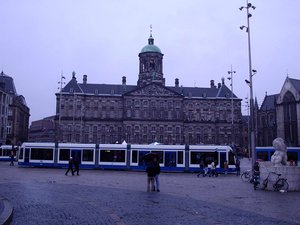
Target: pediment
153 90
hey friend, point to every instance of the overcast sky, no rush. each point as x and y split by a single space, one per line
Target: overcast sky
200 40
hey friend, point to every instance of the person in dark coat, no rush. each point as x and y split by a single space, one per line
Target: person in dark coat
12 158
237 166
70 167
150 170
76 164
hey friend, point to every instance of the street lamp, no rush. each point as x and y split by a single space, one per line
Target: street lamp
231 72
61 83
250 83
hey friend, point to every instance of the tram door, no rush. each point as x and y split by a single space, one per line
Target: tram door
26 159
76 154
170 159
222 159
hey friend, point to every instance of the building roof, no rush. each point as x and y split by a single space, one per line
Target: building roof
7 84
151 47
269 102
222 91
296 84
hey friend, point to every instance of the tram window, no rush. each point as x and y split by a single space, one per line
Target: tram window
87 155
134 156
21 153
112 156
195 157
262 155
64 154
292 156
6 152
160 155
180 157
0 151
42 153
231 160
206 157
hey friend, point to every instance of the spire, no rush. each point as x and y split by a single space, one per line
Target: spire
151 39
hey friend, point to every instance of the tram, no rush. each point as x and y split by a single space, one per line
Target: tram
265 153
5 152
176 158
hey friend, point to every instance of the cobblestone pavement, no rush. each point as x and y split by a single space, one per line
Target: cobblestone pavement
46 196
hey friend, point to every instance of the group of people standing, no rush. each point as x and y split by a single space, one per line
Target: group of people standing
75 163
204 168
153 171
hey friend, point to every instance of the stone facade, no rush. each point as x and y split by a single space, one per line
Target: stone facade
3 115
279 115
149 111
17 113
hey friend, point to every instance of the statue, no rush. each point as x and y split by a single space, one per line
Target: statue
279 157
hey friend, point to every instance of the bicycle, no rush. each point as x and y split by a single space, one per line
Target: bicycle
280 184
246 175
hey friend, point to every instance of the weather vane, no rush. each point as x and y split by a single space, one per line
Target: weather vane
151 30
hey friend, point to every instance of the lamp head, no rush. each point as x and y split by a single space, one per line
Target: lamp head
241 8
254 71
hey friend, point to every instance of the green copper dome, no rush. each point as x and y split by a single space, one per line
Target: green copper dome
151 47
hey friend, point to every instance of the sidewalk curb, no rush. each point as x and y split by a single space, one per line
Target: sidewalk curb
7 212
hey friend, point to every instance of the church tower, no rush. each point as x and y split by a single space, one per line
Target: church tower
151 66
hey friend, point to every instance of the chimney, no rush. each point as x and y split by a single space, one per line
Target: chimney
176 82
223 81
84 79
123 80
212 83
219 85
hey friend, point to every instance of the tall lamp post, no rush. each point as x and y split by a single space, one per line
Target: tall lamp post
61 82
231 72
251 73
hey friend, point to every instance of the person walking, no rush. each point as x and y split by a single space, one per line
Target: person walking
76 164
157 172
237 166
70 167
225 167
12 158
201 171
213 169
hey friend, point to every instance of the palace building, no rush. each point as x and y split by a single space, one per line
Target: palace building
149 111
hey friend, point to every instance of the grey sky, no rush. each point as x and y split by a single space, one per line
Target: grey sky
200 39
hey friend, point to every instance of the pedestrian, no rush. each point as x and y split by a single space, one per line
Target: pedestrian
201 171
256 175
76 164
70 167
157 172
150 170
12 158
237 166
213 169
225 167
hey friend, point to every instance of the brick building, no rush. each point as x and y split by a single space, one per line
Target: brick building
149 111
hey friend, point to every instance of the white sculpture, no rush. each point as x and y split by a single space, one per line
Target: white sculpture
279 157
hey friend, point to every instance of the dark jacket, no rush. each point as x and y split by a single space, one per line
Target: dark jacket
156 168
151 172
